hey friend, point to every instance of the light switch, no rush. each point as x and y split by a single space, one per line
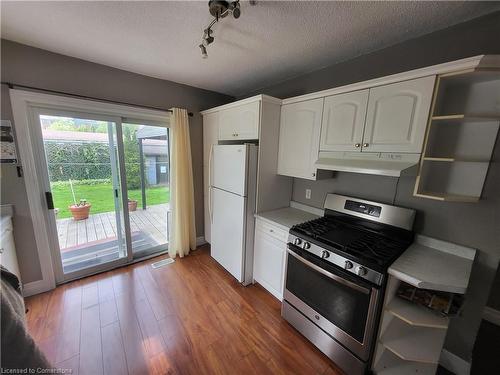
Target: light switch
308 193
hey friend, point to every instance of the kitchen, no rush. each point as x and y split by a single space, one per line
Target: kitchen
321 133
345 211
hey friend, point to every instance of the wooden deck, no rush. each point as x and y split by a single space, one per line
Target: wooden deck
99 227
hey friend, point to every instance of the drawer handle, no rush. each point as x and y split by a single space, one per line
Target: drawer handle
365 144
1 250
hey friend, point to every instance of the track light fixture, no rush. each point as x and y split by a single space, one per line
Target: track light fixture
218 9
204 53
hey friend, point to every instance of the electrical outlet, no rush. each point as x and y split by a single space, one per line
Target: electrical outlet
308 193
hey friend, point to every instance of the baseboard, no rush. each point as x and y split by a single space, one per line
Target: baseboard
36 287
491 315
200 241
454 363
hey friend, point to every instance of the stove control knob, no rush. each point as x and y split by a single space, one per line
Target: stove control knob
348 265
361 271
325 254
297 241
306 245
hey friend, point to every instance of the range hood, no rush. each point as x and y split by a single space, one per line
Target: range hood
379 163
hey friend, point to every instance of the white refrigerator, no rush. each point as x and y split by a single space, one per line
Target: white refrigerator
233 175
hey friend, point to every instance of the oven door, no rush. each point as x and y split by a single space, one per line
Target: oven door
340 304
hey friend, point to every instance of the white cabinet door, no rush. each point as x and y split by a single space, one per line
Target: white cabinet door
397 116
269 262
210 134
240 122
210 138
300 128
343 121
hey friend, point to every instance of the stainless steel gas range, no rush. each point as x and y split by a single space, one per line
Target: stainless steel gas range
336 271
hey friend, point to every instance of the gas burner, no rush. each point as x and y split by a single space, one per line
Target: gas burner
349 230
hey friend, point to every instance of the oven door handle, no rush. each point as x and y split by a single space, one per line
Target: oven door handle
329 274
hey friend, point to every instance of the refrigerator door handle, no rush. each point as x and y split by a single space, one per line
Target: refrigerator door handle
210 184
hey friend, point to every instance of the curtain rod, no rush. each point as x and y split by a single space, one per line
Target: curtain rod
13 85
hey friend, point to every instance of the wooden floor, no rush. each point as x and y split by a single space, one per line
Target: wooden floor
98 227
189 317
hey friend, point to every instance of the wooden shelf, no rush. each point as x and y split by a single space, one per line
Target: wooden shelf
447 197
389 364
416 315
454 160
417 344
463 117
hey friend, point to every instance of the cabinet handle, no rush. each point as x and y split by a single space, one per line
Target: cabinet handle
270 230
1 250
357 145
365 144
314 174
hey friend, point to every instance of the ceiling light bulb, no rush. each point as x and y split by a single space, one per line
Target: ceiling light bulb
204 53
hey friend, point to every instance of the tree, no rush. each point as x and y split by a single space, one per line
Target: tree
131 156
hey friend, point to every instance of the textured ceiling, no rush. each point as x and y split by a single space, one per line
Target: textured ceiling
270 42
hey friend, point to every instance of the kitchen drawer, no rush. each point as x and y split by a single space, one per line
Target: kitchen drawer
272 230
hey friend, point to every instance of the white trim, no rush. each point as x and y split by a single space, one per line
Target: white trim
491 315
36 287
454 363
481 61
35 99
263 98
34 193
306 208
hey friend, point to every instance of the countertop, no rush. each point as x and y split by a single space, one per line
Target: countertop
433 264
287 217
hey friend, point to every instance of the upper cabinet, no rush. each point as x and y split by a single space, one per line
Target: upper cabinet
255 119
397 116
300 129
240 123
344 121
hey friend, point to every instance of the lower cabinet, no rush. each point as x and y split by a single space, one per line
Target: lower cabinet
269 257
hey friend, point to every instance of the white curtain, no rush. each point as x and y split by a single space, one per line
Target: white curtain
183 234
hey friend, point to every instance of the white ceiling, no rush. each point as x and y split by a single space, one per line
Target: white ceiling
270 42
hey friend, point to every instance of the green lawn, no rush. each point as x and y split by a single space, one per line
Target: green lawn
100 196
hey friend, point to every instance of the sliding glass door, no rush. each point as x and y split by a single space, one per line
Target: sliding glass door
107 188
147 171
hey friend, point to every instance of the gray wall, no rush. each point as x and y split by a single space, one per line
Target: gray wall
39 68
471 224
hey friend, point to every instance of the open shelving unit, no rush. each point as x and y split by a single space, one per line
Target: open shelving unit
461 135
410 336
